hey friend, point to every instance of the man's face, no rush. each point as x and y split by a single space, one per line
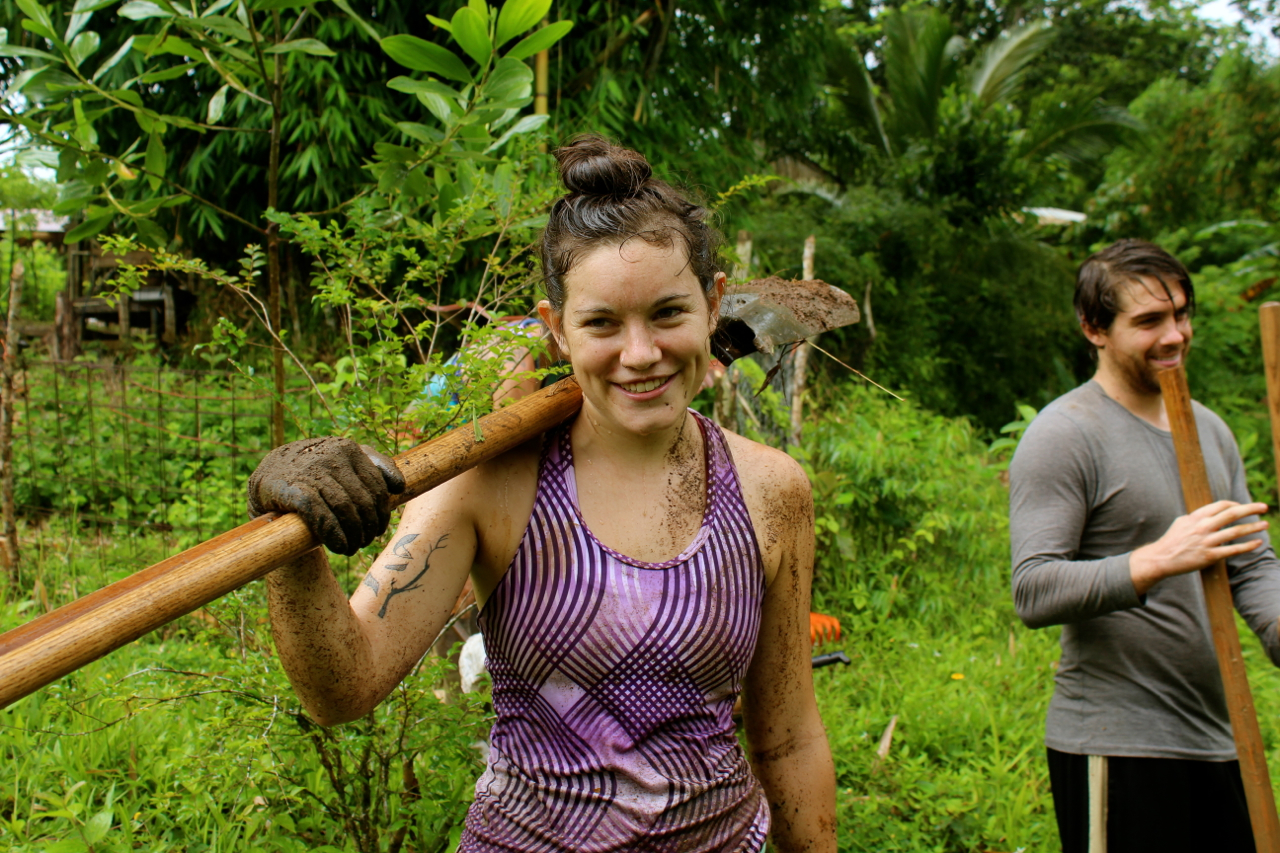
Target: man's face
1150 334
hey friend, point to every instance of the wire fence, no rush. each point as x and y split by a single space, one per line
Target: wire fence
121 453
138 448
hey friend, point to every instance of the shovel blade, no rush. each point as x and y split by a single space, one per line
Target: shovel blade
769 313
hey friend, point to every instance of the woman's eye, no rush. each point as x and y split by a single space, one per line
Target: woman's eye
668 313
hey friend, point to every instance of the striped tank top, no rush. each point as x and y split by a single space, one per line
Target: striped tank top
614 680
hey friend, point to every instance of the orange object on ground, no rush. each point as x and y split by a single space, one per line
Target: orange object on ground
823 629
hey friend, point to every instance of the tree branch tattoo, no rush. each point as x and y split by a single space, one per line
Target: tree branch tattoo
401 550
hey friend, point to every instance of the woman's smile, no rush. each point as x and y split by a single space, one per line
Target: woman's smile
645 389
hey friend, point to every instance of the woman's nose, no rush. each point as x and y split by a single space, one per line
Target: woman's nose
639 350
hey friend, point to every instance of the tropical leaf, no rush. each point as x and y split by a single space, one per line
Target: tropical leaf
856 93
921 60
511 79
314 47
114 59
84 46
89 228
422 55
136 10
540 40
524 125
217 104
360 22
1080 131
15 50
519 15
999 70
226 26
412 86
470 31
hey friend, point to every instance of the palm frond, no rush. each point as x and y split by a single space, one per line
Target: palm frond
998 70
1081 131
853 88
920 59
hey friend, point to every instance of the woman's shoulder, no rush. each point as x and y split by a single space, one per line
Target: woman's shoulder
762 466
778 495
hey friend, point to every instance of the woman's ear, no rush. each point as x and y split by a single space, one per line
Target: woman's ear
554 321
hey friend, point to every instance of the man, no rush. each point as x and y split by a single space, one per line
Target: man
1141 755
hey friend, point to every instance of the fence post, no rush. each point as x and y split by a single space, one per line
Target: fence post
10 550
800 364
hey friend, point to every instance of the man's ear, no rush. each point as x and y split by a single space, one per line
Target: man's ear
1097 337
552 319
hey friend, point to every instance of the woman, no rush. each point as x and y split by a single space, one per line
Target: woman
636 567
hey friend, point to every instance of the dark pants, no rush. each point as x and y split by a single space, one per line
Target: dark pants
1162 805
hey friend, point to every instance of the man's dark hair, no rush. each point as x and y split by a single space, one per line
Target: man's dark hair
1102 277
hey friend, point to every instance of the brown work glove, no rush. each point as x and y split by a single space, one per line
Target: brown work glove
341 489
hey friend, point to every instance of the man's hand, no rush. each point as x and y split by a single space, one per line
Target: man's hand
1195 541
341 489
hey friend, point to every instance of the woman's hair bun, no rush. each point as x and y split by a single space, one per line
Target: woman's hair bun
591 165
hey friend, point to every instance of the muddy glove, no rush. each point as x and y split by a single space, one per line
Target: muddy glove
341 489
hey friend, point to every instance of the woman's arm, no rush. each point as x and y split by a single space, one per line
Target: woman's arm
789 750
344 657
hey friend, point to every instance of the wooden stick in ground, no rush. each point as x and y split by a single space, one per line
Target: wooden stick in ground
60 642
1269 319
800 365
1226 641
8 409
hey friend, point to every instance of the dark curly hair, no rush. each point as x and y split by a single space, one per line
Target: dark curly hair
612 198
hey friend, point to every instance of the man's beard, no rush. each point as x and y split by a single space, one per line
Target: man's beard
1141 375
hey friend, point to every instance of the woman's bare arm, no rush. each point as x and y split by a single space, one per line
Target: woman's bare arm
343 657
789 750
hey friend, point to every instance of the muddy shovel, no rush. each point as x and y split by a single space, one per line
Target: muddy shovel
757 317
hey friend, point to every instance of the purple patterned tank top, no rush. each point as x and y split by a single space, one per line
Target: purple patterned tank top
614 679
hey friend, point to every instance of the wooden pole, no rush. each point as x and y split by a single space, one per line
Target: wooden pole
60 642
1269 319
800 364
8 409
1226 641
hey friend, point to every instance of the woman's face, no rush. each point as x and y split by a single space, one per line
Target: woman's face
636 328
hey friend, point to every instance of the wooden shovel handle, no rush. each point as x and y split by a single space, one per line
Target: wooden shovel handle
1226 640
1269 320
78 633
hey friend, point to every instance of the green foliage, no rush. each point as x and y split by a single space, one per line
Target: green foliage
707 90
1211 158
241 65
913 558
44 276
139 445
391 384
894 482
956 307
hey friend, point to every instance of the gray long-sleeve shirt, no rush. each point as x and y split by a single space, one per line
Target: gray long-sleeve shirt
1090 483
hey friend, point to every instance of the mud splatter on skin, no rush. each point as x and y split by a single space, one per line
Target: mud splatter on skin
686 489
